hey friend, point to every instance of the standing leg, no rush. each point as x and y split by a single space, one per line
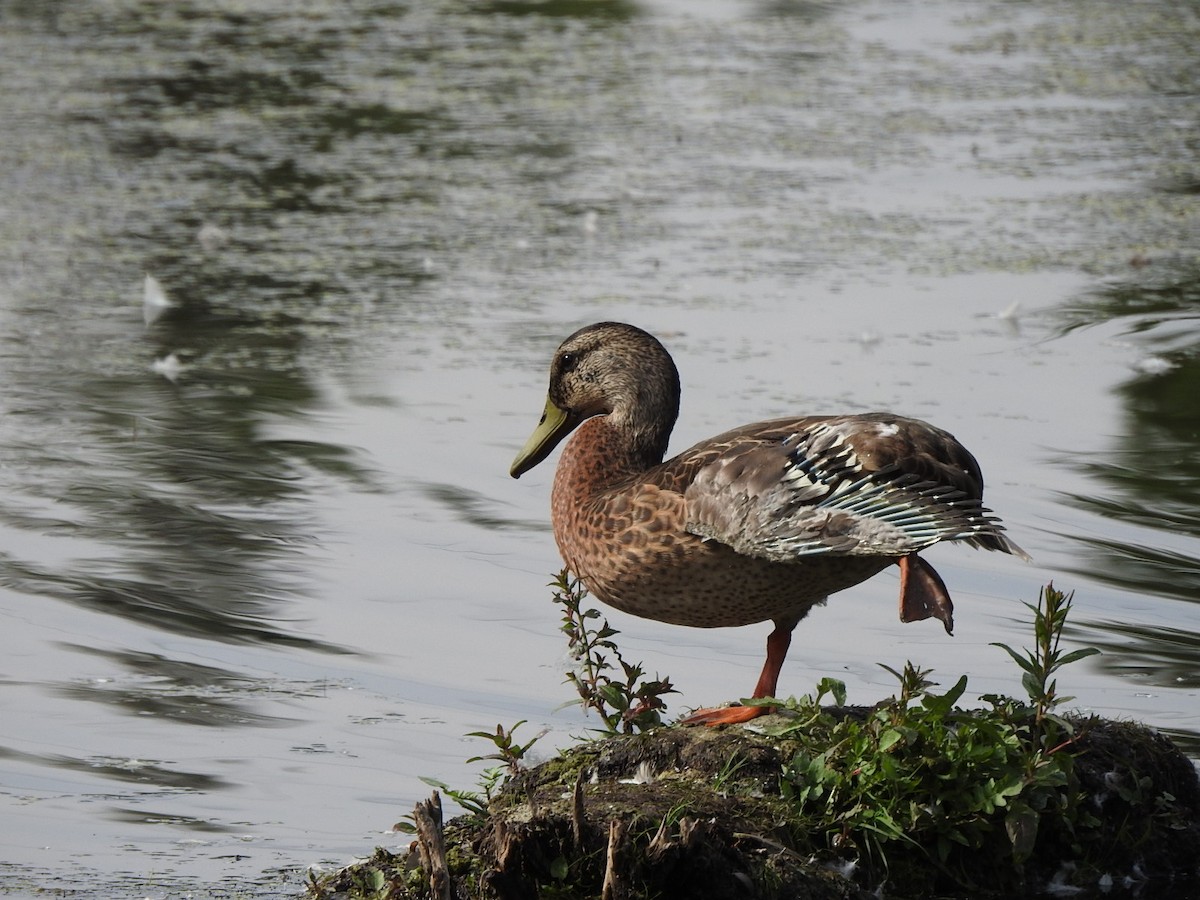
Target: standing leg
778 642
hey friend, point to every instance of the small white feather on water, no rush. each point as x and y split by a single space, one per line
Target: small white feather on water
869 339
1010 313
1153 365
155 301
169 367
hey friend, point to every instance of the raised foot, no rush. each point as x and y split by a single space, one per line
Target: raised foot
727 715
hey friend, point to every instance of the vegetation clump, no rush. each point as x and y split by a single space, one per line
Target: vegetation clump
914 797
627 703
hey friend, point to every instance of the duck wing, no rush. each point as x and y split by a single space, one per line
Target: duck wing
863 485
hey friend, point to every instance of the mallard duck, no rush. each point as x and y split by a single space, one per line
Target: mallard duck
760 523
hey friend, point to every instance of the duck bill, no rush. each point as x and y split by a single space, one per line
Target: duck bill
555 425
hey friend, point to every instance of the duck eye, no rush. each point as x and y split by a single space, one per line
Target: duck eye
567 362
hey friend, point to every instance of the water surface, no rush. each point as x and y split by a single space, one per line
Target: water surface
246 606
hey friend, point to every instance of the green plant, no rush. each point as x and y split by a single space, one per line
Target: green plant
371 884
733 765
1046 658
913 771
625 703
507 751
474 802
491 780
916 775
1046 734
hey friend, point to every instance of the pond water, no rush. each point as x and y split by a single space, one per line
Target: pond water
262 566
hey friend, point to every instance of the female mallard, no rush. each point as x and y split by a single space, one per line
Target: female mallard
762 522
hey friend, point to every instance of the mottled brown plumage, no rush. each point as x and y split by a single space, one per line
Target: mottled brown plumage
761 522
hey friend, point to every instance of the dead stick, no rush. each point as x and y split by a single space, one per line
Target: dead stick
578 819
614 882
431 842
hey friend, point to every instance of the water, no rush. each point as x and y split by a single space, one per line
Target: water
246 609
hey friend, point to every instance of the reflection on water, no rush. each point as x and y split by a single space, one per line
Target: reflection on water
1149 479
198 513
135 771
582 9
142 816
175 691
1164 657
478 510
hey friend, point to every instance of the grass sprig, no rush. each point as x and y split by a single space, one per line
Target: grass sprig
625 703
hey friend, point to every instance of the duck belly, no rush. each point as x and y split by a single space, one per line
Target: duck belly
705 584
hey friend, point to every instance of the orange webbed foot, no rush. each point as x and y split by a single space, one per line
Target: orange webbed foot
923 594
726 715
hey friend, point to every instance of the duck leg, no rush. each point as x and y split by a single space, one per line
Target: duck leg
778 642
923 594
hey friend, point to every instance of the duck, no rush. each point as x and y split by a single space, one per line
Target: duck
761 523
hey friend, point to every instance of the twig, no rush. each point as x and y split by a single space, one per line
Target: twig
578 818
614 882
431 842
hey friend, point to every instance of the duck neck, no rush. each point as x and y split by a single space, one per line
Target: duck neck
599 455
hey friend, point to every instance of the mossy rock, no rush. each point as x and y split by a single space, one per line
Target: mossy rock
698 812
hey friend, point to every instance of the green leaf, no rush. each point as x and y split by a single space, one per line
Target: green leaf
614 696
1024 662
1064 725
942 704
899 677
1033 686
1021 824
834 688
1076 655
559 868
953 695
1008 788
889 739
